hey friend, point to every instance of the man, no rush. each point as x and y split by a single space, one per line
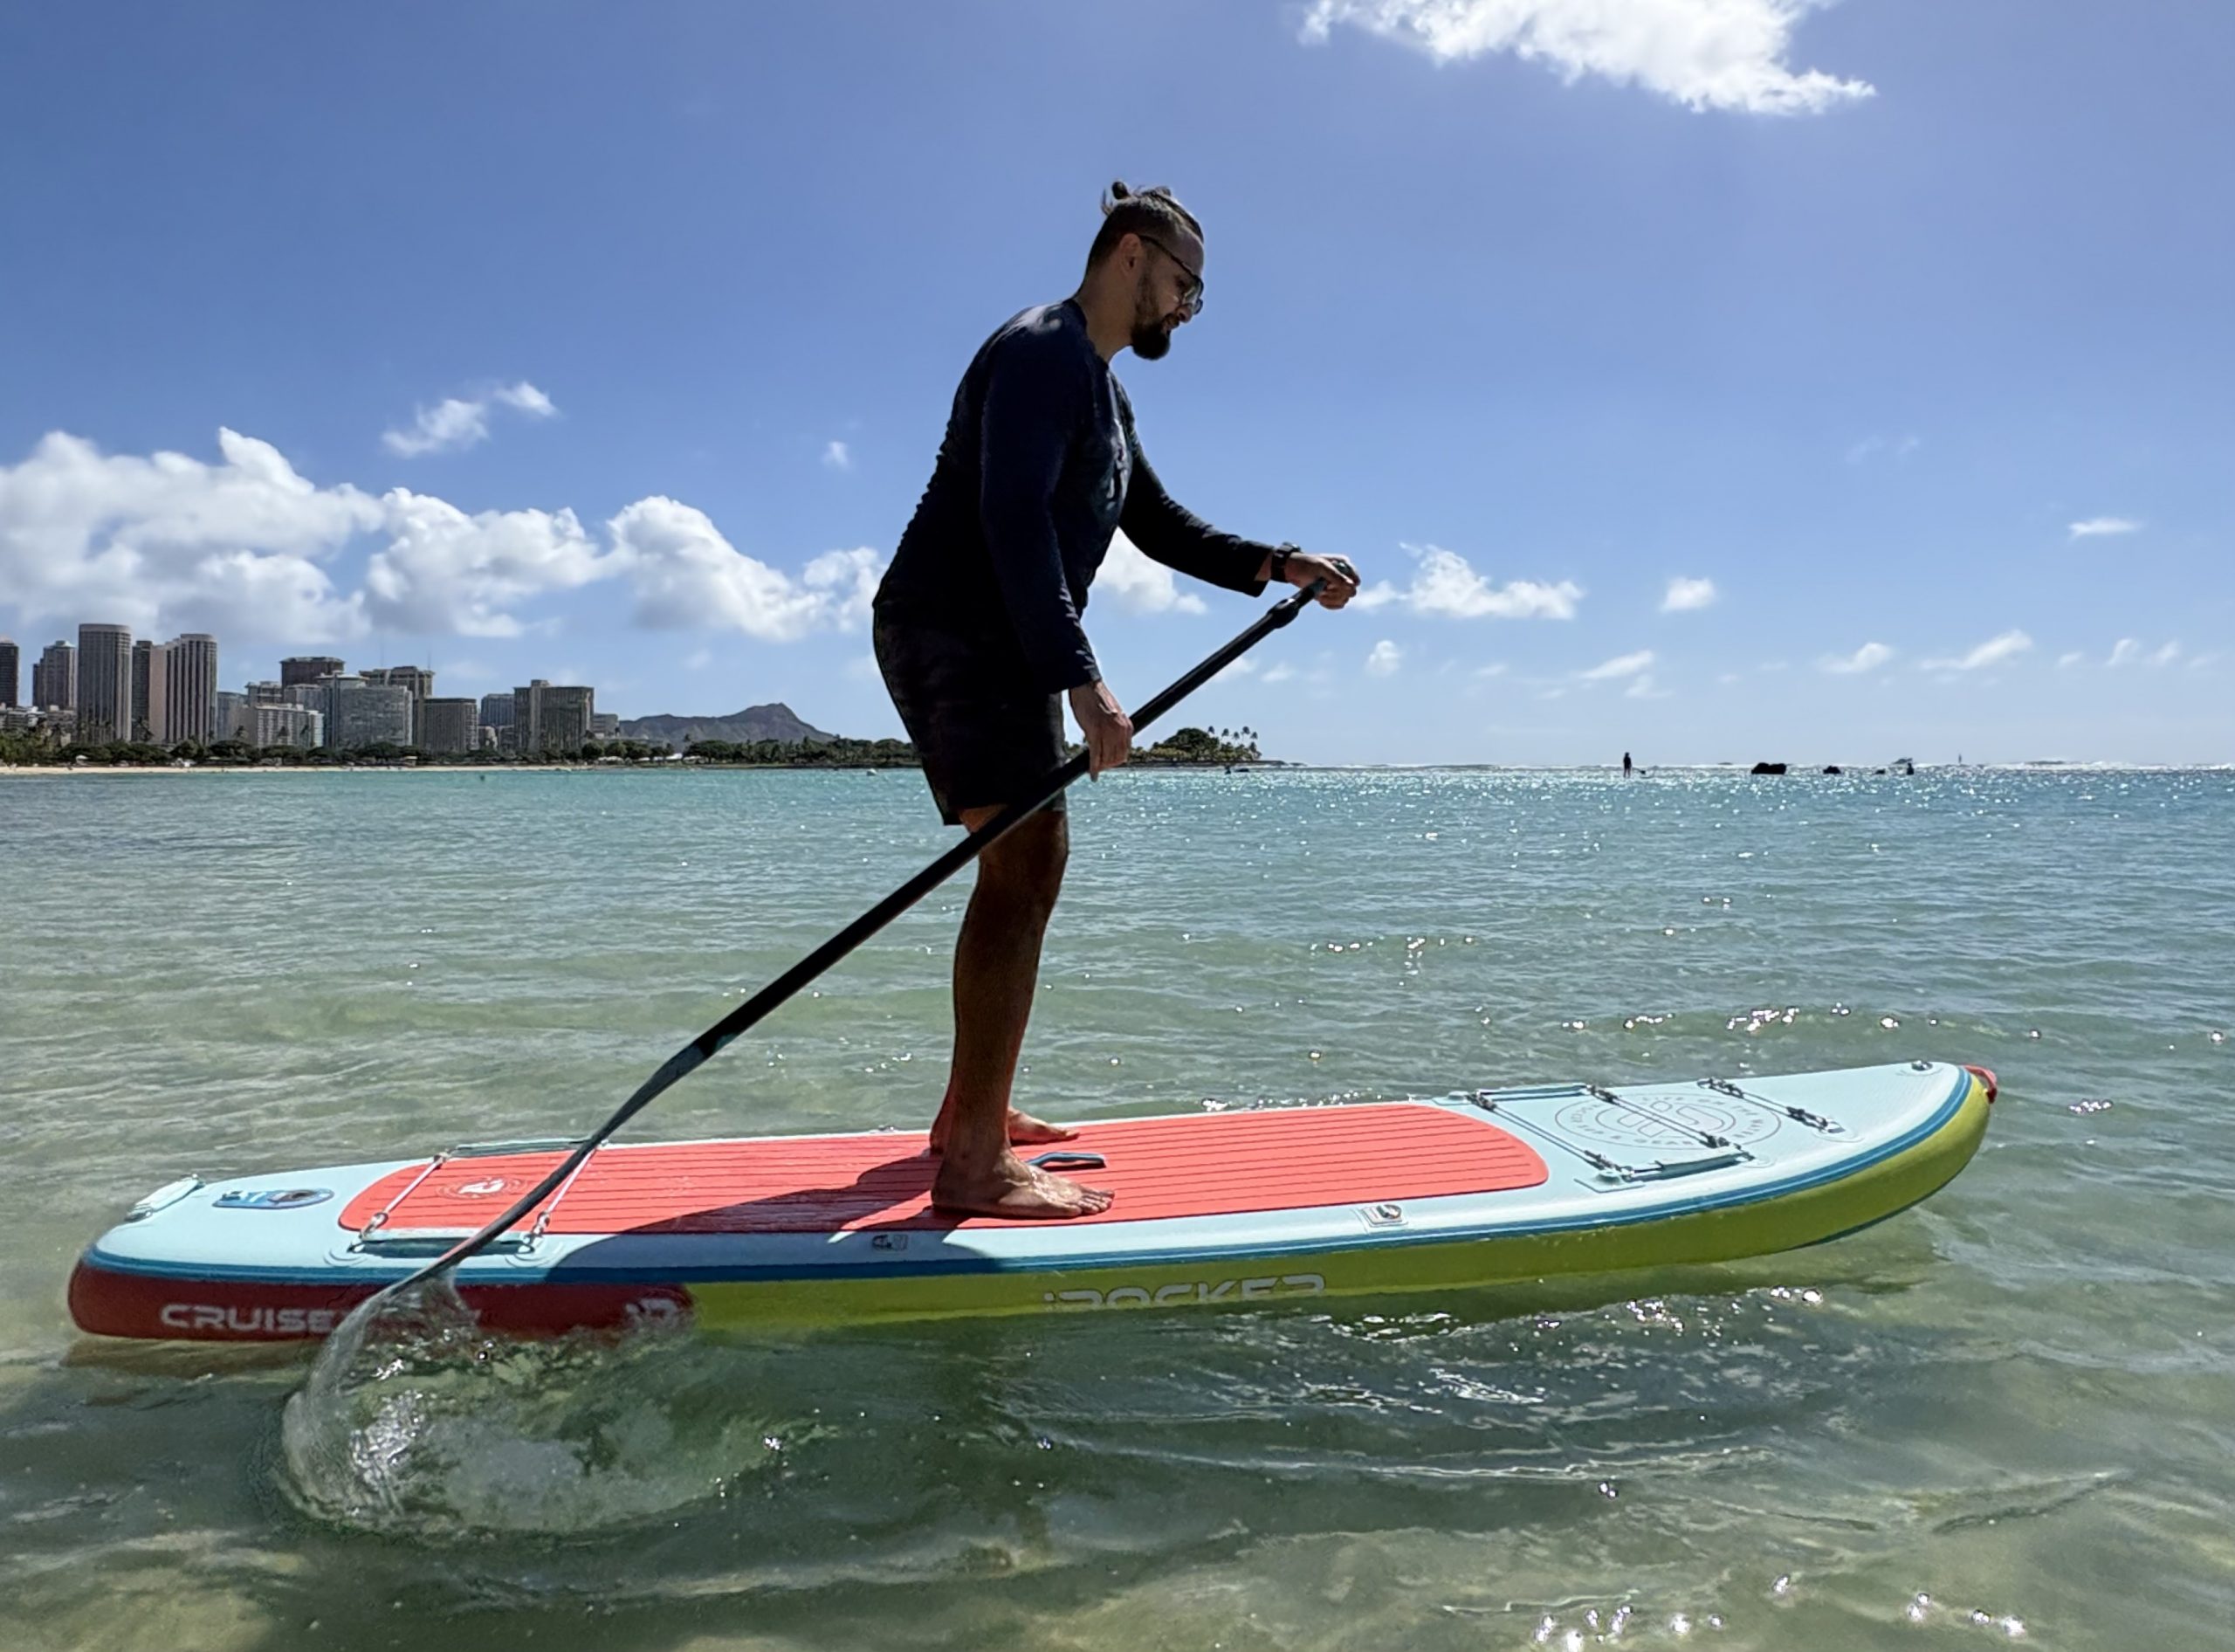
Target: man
978 635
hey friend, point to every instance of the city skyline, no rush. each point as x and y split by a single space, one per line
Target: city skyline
166 693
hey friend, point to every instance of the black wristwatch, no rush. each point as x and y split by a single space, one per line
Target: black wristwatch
1280 562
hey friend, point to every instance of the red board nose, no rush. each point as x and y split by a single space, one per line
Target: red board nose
1985 1076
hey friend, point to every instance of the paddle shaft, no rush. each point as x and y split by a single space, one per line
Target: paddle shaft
686 1060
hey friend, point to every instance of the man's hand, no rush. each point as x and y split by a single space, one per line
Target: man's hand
1108 731
1342 579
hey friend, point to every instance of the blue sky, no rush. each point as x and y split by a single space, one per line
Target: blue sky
614 344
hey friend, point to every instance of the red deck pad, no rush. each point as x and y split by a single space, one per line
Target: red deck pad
1219 1164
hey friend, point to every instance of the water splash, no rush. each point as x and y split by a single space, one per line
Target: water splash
417 1421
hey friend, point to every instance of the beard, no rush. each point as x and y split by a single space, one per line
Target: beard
1152 329
1150 339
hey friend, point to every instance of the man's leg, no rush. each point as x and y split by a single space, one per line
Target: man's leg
1023 1129
996 972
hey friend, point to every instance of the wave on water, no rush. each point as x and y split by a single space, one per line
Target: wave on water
416 1422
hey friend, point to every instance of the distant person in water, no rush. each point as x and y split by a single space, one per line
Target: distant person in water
1625 766
977 633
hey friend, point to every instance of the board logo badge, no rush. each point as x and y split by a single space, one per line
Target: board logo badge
1664 1122
1190 1291
272 1198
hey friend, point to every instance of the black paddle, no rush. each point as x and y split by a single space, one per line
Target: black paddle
688 1058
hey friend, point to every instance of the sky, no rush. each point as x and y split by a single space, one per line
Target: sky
1712 380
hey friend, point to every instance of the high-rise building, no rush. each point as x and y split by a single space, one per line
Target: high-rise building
308 668
528 705
190 663
264 723
54 678
151 719
450 727
271 694
549 720
566 726
11 671
497 718
417 678
358 713
104 684
230 707
605 725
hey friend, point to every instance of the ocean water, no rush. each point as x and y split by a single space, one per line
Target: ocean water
2009 1414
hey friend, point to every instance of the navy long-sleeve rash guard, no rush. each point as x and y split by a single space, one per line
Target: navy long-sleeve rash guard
1040 465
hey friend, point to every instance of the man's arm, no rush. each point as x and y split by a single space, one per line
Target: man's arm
1033 403
1175 536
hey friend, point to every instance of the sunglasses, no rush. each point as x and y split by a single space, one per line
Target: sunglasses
1190 296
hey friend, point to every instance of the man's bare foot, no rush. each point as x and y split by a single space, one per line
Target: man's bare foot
1013 1189
1025 1130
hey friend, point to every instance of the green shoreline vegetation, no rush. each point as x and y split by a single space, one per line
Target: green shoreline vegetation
1186 748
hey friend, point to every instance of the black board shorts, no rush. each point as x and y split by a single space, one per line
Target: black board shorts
984 733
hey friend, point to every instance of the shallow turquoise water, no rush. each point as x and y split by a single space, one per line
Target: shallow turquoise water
2016 1402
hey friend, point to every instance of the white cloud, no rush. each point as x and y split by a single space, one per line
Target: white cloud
1641 688
1993 652
1869 658
151 541
2129 653
245 548
1140 586
1621 665
1496 668
2095 526
1385 658
1279 673
448 423
2066 661
1447 586
838 457
456 423
1685 595
526 398
847 582
686 576
1704 54
443 570
1871 446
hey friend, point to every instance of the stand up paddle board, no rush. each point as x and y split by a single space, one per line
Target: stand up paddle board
1212 1209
